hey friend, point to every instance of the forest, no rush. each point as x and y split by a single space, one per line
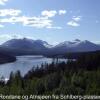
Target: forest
77 77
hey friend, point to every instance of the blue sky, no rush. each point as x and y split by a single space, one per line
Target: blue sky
51 20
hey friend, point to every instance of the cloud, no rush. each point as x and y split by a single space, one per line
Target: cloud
77 18
62 12
54 27
11 20
73 23
37 22
50 13
9 12
2 2
13 16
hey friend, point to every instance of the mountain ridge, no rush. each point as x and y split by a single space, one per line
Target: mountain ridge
29 46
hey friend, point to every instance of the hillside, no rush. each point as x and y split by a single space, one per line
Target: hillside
5 58
80 77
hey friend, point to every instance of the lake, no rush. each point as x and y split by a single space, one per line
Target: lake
23 64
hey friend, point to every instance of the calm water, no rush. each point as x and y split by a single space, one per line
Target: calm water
24 64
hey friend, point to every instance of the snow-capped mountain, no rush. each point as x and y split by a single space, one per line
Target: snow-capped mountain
43 43
76 46
19 43
29 46
69 43
26 43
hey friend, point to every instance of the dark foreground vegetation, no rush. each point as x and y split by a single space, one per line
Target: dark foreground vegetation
80 77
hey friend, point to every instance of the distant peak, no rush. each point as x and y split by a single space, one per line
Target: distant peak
24 38
86 41
77 40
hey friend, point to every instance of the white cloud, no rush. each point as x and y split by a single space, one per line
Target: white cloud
62 12
11 20
76 18
9 12
54 27
50 13
73 23
37 22
12 16
2 2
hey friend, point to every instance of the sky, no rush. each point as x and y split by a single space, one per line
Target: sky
53 21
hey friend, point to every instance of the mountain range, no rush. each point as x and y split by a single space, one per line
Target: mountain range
27 46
